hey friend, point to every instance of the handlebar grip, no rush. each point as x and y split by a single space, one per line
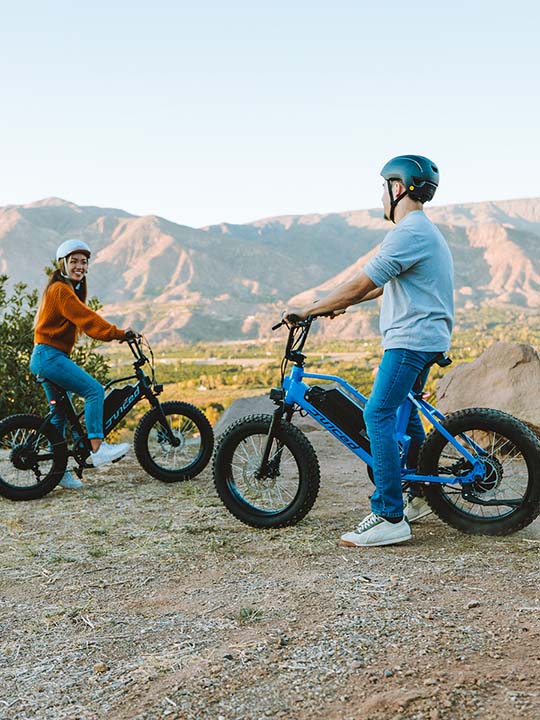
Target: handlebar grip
131 336
290 319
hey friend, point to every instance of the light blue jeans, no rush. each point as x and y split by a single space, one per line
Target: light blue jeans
395 378
53 364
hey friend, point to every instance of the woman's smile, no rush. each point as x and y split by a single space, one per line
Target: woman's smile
77 266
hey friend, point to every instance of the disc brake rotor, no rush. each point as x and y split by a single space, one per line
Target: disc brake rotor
492 477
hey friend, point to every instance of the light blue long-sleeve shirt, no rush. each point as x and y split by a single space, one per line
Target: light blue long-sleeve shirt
416 267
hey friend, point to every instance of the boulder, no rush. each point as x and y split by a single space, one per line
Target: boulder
506 377
256 405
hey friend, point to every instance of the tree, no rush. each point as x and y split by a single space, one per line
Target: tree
20 392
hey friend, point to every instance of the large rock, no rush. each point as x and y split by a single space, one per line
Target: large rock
506 377
256 405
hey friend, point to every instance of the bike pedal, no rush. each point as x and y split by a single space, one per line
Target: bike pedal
118 459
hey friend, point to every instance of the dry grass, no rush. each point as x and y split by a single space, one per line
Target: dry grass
136 599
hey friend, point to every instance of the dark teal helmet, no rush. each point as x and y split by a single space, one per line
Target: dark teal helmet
419 175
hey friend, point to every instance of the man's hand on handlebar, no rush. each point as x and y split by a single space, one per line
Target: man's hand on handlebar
293 317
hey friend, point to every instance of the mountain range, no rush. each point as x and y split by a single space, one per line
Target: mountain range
230 282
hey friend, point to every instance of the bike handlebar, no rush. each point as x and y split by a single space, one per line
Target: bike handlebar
130 336
293 320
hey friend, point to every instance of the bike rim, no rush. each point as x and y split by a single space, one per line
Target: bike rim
506 474
16 440
272 493
164 454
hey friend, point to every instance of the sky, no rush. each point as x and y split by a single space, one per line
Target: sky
205 111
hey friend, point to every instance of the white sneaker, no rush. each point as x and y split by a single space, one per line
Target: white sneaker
69 481
415 508
375 530
108 453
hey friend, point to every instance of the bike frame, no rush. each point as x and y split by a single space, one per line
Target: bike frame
292 397
144 388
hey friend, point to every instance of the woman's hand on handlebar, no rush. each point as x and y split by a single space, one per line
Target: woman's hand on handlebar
130 334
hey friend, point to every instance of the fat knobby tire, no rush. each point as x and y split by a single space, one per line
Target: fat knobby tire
506 425
304 456
151 420
26 423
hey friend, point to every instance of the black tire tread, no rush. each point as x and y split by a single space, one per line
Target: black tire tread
483 419
147 422
310 474
34 492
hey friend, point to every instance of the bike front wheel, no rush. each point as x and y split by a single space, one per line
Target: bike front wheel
33 457
285 491
507 497
182 460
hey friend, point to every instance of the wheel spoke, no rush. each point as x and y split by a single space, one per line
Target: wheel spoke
507 454
179 459
272 492
31 462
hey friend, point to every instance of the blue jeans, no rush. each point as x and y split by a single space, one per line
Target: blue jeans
53 364
395 378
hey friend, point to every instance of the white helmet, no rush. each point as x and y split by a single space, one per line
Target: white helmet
68 247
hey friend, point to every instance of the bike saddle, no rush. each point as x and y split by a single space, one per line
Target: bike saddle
443 360
41 379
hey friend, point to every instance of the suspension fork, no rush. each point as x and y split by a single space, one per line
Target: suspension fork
285 411
154 402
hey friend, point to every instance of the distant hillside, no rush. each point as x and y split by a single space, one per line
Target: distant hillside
231 281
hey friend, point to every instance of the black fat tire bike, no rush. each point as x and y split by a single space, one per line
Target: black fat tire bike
173 440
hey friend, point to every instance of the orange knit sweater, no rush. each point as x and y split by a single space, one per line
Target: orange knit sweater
62 313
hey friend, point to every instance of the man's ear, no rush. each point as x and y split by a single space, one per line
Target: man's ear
397 188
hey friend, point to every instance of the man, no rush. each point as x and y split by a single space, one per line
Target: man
414 268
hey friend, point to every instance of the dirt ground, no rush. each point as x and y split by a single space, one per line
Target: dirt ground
134 599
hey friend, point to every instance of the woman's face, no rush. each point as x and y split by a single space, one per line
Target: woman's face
77 266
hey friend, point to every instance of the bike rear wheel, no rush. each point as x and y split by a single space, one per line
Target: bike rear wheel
511 483
288 488
164 460
33 457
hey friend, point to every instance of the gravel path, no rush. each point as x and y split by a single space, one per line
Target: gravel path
134 599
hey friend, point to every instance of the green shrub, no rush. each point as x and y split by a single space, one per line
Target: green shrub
20 392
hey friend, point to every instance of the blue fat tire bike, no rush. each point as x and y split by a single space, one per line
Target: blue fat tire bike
478 469
173 440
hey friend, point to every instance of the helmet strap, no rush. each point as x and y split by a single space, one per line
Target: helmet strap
64 272
394 201
64 268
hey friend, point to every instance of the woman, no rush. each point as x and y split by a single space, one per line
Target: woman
62 316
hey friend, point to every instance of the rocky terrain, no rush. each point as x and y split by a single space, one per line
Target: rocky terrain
136 600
